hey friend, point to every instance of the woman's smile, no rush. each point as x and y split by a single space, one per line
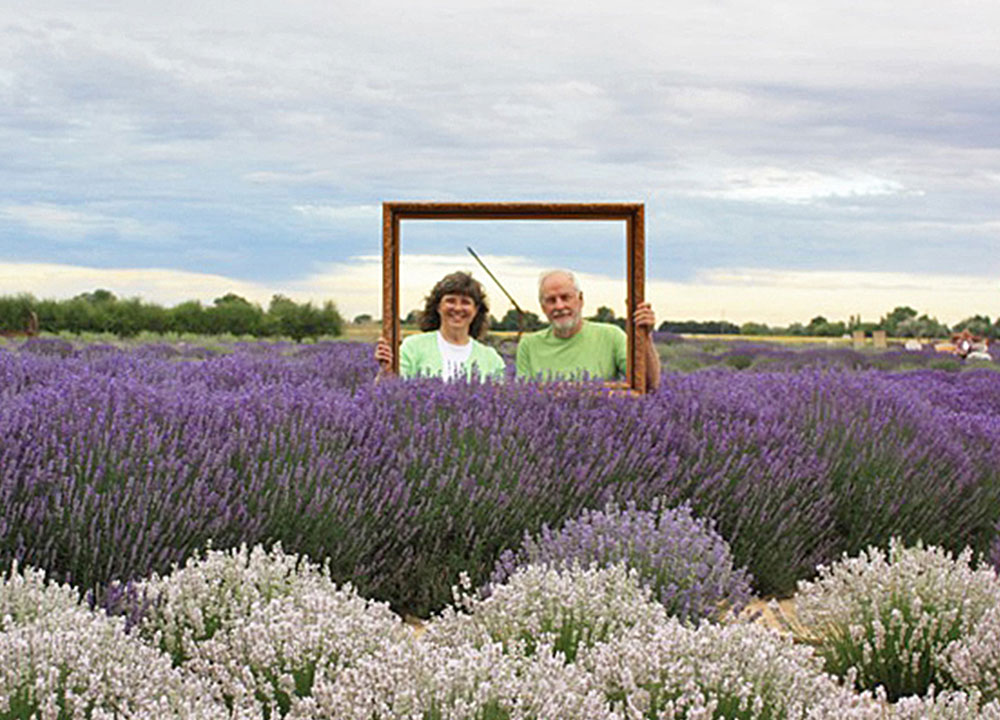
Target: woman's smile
457 310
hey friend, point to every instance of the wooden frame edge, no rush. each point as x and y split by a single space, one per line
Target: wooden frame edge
633 214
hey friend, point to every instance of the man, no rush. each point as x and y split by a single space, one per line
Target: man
571 345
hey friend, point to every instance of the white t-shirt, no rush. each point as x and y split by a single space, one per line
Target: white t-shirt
453 357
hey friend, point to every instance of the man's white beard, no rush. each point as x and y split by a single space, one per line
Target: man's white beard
565 323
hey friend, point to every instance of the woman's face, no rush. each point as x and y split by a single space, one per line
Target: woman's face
457 311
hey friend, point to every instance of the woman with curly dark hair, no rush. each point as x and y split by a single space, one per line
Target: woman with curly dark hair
456 309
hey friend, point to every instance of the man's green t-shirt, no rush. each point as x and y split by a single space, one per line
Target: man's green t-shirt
598 349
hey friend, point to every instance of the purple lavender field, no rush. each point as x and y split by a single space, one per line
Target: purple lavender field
116 463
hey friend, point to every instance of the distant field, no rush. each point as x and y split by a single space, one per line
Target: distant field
369 332
785 339
803 339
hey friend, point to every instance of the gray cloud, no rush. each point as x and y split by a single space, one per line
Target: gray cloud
784 135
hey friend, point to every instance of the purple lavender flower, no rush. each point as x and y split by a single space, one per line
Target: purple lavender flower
682 559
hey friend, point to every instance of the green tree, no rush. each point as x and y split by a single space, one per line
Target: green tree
922 327
93 312
154 318
188 317
890 323
977 325
286 317
51 315
15 311
98 296
509 322
696 327
607 315
754 328
76 315
815 324
234 314
331 319
124 317
821 327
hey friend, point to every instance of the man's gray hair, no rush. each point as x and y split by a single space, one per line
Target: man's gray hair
558 271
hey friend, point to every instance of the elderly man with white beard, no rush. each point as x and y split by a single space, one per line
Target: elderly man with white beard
571 346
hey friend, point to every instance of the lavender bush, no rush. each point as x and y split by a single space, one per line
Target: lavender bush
739 671
563 609
271 657
48 346
26 596
994 552
973 660
118 464
687 565
949 705
262 625
455 682
75 664
888 618
213 593
549 645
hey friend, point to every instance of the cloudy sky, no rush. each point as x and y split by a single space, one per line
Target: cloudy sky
796 158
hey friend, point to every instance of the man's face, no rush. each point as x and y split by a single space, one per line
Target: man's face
561 303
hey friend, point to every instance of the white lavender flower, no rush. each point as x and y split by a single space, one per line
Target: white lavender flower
948 705
191 604
76 663
273 654
973 660
560 608
26 596
439 682
733 671
890 615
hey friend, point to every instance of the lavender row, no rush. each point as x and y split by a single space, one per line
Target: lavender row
248 634
115 464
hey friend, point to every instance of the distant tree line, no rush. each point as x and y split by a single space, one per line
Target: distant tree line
101 311
902 321
694 327
532 322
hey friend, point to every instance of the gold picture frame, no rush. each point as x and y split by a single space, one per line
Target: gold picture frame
632 214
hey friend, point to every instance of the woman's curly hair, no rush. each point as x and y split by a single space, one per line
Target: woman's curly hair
456 283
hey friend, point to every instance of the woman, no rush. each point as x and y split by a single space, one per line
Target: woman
457 310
